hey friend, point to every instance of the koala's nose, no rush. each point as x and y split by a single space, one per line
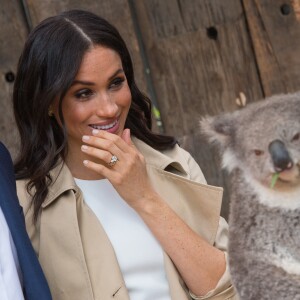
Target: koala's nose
280 156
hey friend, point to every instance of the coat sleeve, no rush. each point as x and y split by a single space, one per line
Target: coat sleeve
224 289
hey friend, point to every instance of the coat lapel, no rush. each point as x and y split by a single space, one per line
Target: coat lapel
79 239
105 274
197 204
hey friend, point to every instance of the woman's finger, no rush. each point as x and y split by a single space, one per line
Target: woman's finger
103 155
93 142
103 170
115 139
126 137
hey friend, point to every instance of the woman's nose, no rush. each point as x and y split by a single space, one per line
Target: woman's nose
106 106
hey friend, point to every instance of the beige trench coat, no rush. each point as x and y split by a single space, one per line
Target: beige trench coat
75 252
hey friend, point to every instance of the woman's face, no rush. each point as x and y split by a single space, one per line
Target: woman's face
99 97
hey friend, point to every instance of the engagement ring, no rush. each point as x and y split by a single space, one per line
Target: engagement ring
113 161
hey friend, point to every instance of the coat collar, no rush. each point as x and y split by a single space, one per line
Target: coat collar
62 181
164 159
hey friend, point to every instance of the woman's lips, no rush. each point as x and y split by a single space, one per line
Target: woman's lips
111 127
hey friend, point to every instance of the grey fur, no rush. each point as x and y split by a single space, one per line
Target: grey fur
264 222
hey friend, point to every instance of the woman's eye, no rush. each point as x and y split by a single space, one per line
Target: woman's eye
83 94
117 82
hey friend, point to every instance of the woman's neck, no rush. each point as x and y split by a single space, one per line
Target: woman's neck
74 161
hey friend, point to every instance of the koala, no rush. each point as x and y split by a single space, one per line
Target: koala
260 148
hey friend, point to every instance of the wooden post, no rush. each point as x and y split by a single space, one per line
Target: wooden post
13 32
275 32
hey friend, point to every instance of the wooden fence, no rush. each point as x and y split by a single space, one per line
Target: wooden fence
194 57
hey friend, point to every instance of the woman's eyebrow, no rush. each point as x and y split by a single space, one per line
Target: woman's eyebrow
82 82
119 71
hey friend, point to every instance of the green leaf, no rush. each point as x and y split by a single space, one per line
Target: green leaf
274 179
156 112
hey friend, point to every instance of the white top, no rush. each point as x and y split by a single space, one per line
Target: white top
139 254
10 273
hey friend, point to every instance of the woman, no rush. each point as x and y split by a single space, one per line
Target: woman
112 209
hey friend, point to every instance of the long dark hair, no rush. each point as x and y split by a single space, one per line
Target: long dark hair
47 67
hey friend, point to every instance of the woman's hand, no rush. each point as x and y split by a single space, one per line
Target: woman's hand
128 175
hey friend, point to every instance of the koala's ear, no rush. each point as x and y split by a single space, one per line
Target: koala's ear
218 129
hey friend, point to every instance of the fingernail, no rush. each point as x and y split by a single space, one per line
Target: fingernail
85 162
85 137
84 147
95 131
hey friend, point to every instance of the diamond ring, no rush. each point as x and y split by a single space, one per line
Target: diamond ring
113 161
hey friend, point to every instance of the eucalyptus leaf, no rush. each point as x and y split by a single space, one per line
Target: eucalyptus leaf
274 179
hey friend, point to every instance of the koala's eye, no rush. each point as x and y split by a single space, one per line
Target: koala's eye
296 137
258 152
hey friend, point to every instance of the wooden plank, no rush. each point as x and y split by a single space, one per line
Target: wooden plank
194 74
201 58
275 30
115 11
13 32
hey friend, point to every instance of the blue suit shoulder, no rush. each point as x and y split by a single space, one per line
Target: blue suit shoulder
35 286
6 165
